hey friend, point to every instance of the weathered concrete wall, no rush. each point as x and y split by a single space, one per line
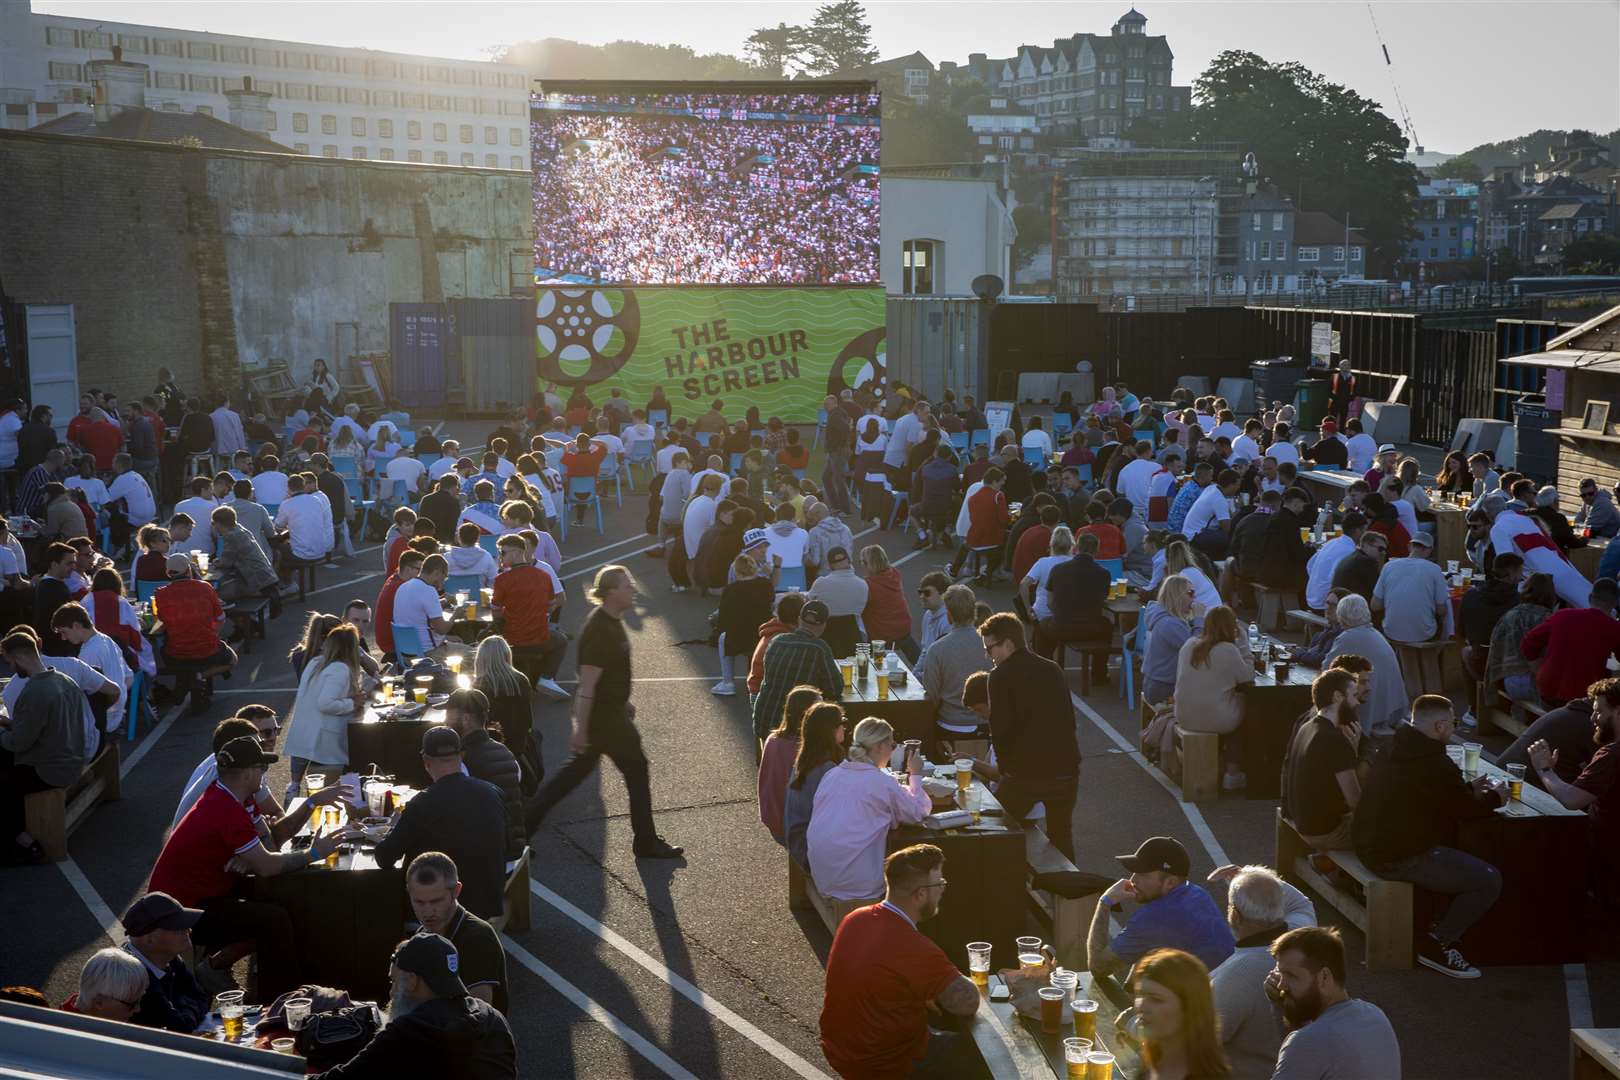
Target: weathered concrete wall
205 260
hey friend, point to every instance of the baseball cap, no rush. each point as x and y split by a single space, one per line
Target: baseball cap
814 611
1424 540
1387 448
158 911
1330 424
837 553
434 960
1157 853
177 564
243 753
440 742
753 537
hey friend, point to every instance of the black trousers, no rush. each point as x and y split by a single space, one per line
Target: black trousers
617 740
1017 794
227 920
16 781
541 661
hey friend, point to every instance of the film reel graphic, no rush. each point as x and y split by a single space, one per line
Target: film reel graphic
583 336
862 365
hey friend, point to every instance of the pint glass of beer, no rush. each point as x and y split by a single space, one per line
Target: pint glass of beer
1051 1009
883 684
229 1007
1099 1065
1030 963
1471 758
847 667
1085 1018
1516 782
964 774
979 963
1075 1052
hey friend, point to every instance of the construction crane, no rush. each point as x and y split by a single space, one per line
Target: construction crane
1406 117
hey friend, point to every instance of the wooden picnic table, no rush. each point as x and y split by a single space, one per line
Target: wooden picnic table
394 746
907 709
1270 708
1586 559
1009 1041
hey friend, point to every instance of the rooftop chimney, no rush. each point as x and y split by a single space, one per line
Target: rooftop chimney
249 108
116 84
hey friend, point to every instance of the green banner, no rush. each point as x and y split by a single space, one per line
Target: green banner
780 349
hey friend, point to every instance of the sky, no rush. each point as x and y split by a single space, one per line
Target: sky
1469 71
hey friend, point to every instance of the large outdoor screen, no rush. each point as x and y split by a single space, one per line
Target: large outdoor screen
705 186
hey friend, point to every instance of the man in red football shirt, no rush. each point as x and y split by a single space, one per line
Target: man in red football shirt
191 615
584 458
525 595
410 565
883 974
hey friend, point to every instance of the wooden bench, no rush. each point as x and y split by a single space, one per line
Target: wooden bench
1505 714
1309 621
1200 754
1384 916
1068 920
514 914
1594 1053
49 816
251 616
1420 666
1271 603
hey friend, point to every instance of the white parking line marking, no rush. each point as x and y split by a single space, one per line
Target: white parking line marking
680 985
151 740
666 1064
92 900
1195 817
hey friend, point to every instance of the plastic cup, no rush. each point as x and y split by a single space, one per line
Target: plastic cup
1099 1065
1075 1052
1028 944
461 599
1085 1018
1451 566
979 963
297 1010
1051 1009
847 667
313 782
1065 980
883 686
1030 962
1471 757
964 774
453 662
1516 782
285 1046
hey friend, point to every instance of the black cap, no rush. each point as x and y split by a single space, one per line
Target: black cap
440 742
243 752
814 611
158 911
434 960
1157 853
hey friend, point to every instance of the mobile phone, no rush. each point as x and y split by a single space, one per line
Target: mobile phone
998 989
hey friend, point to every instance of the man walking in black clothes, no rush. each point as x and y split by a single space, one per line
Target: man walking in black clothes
604 719
1032 730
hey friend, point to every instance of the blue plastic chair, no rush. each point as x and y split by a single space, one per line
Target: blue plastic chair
407 642
407 438
427 460
1127 667
136 689
704 439
144 590
790 579
489 542
582 492
639 453
736 463
610 471
346 467
658 417
902 499
467 583
980 437
1115 567
271 508
1061 424
821 429
1035 458
960 441
1085 474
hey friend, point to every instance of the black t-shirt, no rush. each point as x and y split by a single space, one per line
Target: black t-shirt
1312 798
482 960
604 644
444 510
1358 573
49 594
1329 451
466 819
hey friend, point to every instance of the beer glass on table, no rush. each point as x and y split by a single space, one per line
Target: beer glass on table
882 684
1085 1018
1075 1052
880 653
1051 1009
297 1011
313 782
964 774
847 668
230 1008
1516 782
1099 1065
1471 758
979 963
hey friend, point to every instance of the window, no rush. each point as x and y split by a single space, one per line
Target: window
200 50
438 73
328 125
438 103
1338 254
269 121
384 99
413 130
300 147
167 47
383 69
413 155
1451 253
1434 253
441 133
169 80
1454 230
296 60
385 129
465 104
1355 254
328 150
360 153
232 54
466 77
386 153
492 161
205 84
412 100
295 91
1309 254
1281 250
326 93
512 108
353 65
1254 221
493 78
266 58
917 267
323 62
61 36
206 110
466 158
353 95
1276 222
517 162
492 137
466 133
61 72
515 136
135 43
357 126
236 82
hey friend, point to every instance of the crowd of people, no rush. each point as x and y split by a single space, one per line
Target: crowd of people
655 199
1177 500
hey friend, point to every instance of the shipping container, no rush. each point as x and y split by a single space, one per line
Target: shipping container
492 346
418 343
1516 337
938 344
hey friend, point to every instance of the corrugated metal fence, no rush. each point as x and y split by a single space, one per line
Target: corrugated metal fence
472 353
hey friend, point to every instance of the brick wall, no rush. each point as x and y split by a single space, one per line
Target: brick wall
211 261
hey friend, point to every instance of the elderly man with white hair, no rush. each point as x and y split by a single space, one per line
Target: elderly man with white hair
1260 907
111 985
1387 701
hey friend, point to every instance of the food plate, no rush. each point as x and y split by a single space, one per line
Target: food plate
408 710
938 788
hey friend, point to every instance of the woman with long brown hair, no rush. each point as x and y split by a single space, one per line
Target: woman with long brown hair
1211 667
821 746
777 760
1175 1010
330 692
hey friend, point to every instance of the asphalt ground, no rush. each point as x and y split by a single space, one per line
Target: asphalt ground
697 967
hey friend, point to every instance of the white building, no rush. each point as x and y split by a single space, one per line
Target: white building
940 231
324 100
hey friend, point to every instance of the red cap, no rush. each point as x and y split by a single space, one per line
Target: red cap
1330 425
